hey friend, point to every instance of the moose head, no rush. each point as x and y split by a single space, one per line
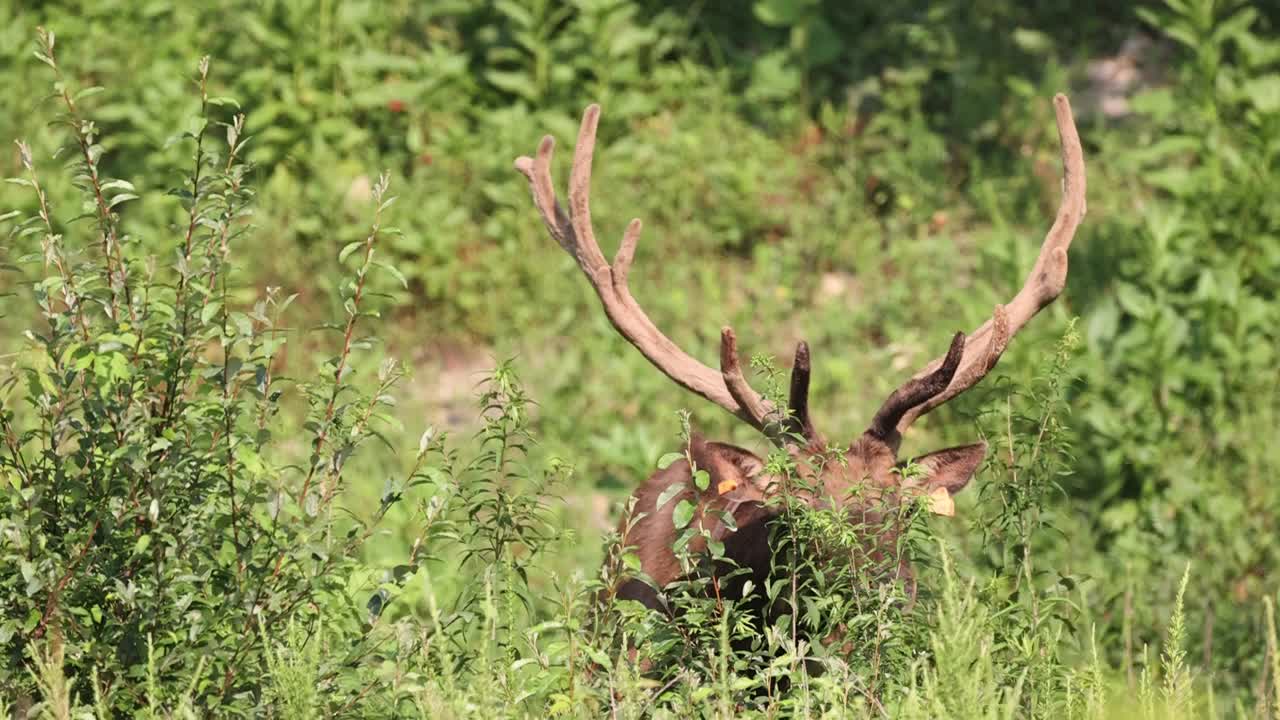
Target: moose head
736 506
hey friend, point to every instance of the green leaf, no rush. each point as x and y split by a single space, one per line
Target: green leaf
1264 93
632 561
513 82
822 44
119 368
348 249
781 13
1032 41
121 198
671 491
702 479
599 657
665 461
88 92
118 185
1180 181
515 13
209 311
395 273
774 76
1133 300
683 513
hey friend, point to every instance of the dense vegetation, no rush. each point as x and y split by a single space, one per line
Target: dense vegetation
274 444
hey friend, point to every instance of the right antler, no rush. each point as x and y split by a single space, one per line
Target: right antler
727 388
971 358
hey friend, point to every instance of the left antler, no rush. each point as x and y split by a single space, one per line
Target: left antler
727 388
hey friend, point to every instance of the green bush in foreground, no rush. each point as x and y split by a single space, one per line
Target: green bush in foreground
156 531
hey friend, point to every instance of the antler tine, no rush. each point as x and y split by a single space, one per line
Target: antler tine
759 410
736 383
580 189
1043 285
798 421
538 172
573 231
916 391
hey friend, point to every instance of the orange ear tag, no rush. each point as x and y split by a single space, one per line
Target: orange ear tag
726 486
941 503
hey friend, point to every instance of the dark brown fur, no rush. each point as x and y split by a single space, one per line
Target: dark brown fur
867 477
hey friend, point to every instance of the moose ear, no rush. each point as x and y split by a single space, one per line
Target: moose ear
947 472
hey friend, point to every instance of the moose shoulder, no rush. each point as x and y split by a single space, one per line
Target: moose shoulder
859 478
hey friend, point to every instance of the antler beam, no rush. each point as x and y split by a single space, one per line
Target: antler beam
1048 277
573 231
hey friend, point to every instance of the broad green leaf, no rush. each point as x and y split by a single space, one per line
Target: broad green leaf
121 198
665 461
349 248
670 492
683 513
210 311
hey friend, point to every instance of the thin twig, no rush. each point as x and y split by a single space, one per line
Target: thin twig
51 604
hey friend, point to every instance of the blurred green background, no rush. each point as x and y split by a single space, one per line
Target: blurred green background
870 177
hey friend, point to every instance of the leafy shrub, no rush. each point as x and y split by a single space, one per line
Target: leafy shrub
156 527
1183 333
